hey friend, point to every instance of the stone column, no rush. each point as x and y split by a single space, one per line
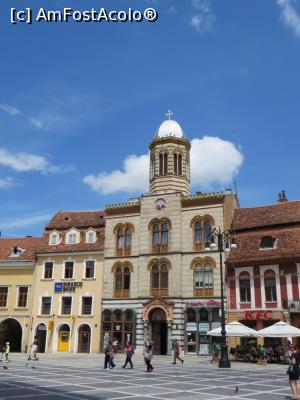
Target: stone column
169 337
146 331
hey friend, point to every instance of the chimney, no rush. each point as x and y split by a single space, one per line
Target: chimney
281 197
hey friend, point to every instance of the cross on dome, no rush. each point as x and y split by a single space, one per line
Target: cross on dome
168 114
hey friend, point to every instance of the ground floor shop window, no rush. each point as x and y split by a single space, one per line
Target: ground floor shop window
198 323
118 325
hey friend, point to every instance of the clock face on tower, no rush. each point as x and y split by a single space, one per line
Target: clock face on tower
160 204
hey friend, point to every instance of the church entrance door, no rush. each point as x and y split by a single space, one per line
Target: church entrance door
159 331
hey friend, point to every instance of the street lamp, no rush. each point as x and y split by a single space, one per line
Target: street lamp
221 241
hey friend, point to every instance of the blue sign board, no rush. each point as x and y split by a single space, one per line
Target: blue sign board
58 286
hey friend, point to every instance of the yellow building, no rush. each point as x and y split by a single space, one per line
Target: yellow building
68 284
17 262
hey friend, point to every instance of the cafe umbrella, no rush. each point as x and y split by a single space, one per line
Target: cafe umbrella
235 328
280 330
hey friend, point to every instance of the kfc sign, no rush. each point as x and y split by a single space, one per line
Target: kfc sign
255 315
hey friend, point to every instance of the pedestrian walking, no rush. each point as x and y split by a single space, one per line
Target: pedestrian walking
3 348
294 374
148 357
177 352
34 349
7 351
129 353
107 350
112 356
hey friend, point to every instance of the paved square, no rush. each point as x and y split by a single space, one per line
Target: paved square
73 376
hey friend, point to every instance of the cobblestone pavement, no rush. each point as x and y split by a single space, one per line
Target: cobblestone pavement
73 376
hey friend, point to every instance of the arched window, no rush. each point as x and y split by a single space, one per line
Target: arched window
155 277
198 233
161 164
106 315
270 286
203 277
245 289
179 164
160 235
159 277
207 230
123 234
118 278
126 278
164 277
122 272
202 227
127 244
165 172
191 315
208 276
175 164
120 238
156 235
164 234
198 277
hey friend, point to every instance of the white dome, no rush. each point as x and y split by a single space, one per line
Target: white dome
170 128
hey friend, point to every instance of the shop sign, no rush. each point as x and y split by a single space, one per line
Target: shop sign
60 287
215 325
201 303
255 315
191 326
203 327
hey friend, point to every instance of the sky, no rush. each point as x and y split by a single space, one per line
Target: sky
80 103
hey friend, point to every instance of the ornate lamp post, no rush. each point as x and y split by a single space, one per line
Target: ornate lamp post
221 241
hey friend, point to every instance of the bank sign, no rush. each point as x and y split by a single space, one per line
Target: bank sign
60 287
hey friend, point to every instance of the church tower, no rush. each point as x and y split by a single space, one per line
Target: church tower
170 159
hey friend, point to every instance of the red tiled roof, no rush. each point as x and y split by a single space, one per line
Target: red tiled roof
248 246
76 219
28 244
277 214
72 248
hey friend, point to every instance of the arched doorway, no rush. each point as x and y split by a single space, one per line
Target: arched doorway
11 331
84 339
41 335
63 338
159 331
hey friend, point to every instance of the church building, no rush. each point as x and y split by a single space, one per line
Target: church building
159 282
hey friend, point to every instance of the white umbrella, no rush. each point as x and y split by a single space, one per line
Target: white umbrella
234 328
280 329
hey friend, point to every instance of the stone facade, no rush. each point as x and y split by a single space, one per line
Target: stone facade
161 225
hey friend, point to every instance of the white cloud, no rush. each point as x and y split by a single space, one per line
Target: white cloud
203 19
290 16
9 109
24 162
25 221
37 123
213 161
134 178
172 10
6 183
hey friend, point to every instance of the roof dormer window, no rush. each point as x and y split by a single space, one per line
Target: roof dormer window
16 251
73 236
90 236
267 242
54 238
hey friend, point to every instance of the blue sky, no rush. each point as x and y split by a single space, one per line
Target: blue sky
78 99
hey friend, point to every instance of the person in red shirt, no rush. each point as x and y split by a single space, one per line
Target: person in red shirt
177 352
